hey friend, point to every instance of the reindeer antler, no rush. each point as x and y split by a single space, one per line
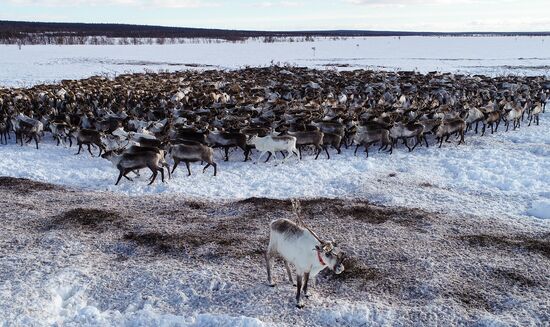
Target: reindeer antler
297 210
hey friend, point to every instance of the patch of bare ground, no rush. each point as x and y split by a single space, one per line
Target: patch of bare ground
511 242
99 220
24 186
373 214
230 237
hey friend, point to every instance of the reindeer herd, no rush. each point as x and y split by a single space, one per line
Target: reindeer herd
144 121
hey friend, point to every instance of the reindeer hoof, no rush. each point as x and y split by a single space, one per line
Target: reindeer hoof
299 306
271 285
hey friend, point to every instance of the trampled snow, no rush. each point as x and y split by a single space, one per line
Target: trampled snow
495 175
485 55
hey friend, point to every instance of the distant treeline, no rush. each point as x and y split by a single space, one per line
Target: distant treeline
13 32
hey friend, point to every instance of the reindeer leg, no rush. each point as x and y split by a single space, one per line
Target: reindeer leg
90 150
119 176
326 150
161 169
477 123
289 273
257 160
461 139
268 262
165 164
268 156
306 279
188 169
318 152
154 176
299 304
226 149
416 144
36 141
355 152
176 163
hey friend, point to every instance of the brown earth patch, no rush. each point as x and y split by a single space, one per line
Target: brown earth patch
23 185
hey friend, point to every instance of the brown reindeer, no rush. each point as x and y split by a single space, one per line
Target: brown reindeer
449 127
89 137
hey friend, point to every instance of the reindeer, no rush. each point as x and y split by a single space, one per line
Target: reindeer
191 152
89 137
228 140
406 131
29 127
272 144
492 118
430 126
368 137
471 116
127 162
3 130
449 127
334 140
301 247
61 131
141 149
314 138
513 114
534 113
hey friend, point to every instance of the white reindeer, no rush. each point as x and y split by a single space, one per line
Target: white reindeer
272 144
301 247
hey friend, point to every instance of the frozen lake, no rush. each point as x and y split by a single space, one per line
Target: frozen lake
476 55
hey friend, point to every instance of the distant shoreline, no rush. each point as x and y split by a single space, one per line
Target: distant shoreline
30 33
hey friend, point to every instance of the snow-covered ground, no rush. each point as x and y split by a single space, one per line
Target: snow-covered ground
78 258
475 257
485 55
504 174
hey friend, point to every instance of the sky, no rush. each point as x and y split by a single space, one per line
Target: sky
402 15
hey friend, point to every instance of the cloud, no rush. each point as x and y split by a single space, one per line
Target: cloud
421 2
133 3
271 4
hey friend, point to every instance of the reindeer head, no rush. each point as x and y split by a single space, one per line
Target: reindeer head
331 255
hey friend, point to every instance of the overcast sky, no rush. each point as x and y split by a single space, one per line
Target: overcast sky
409 15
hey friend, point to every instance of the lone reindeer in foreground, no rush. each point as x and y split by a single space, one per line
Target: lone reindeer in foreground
305 250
